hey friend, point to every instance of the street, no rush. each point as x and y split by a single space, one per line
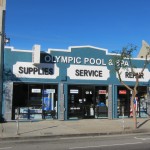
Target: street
113 142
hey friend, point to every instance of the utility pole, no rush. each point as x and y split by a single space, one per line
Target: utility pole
2 37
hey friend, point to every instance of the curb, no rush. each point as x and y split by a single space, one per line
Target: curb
73 135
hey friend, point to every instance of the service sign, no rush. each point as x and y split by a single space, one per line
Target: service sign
28 70
86 72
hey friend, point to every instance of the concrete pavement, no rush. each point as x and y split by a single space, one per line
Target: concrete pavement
55 128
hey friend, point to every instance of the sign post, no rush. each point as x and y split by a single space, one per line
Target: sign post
2 19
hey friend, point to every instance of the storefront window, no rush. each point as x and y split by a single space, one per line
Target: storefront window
35 95
142 101
20 100
34 101
123 108
124 104
20 95
50 101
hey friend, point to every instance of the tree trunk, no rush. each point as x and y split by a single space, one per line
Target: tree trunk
134 110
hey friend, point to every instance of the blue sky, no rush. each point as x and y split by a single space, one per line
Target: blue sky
109 24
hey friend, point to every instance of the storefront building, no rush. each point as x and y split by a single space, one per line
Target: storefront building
77 83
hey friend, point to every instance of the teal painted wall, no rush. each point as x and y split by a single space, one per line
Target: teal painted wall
11 57
79 55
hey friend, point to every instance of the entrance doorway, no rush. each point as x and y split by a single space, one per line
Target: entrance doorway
86 101
81 101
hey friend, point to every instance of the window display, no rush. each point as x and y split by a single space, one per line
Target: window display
40 101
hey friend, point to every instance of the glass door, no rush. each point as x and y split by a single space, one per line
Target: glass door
81 101
101 110
88 102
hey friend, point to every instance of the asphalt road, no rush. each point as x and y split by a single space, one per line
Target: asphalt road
115 142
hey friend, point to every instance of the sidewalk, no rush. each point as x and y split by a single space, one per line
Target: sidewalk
55 128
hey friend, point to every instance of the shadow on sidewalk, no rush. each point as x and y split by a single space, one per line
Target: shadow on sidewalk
36 130
141 124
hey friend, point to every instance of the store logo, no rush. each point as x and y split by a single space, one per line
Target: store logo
46 58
